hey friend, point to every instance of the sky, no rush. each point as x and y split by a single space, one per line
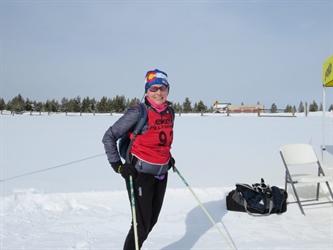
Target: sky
58 191
228 51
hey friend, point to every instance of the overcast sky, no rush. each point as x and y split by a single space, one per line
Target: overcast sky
230 51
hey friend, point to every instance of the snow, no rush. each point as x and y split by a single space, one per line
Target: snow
59 192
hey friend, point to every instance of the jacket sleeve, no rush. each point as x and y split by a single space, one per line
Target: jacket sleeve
117 130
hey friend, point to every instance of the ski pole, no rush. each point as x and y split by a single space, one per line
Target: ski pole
203 208
134 214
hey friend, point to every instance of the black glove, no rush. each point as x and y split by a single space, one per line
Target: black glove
128 169
172 163
116 166
125 169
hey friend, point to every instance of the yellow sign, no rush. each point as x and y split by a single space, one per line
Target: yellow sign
328 73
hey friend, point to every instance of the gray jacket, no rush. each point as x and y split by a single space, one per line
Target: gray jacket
118 129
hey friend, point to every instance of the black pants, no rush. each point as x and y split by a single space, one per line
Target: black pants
149 195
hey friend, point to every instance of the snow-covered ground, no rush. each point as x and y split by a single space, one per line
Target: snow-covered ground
59 192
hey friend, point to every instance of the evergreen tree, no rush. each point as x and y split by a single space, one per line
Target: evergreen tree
187 108
2 104
132 102
330 108
92 105
101 106
85 106
313 107
118 104
29 106
38 107
300 107
273 108
288 109
321 107
195 108
77 104
9 106
177 107
47 106
74 105
17 104
64 105
200 107
51 106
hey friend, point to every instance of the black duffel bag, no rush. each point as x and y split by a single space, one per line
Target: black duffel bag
257 199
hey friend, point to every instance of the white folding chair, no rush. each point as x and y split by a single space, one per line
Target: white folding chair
302 166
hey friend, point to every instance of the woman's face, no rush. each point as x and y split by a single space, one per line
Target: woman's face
158 93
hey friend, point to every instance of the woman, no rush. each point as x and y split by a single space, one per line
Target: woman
150 157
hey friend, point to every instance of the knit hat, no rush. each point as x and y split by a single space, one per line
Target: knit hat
156 77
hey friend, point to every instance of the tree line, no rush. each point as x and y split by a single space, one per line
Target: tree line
119 104
312 107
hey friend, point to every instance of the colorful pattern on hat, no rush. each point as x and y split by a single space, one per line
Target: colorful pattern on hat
156 77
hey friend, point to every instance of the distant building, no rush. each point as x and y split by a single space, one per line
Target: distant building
220 107
245 108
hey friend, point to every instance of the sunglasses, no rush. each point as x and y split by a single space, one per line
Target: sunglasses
155 89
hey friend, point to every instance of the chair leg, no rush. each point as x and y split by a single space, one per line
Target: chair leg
297 198
321 172
317 194
329 189
289 180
